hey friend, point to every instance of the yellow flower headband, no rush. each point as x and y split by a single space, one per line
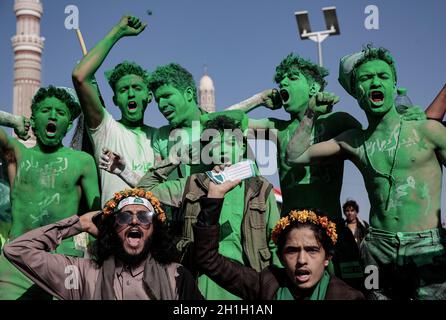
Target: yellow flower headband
304 216
112 204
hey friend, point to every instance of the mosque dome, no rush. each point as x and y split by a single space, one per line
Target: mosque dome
206 83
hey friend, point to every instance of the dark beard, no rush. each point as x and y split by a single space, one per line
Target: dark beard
132 259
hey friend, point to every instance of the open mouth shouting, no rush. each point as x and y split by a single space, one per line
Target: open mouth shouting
51 129
168 114
376 97
134 237
284 94
302 275
132 106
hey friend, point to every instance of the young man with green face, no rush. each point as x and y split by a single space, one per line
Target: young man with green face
47 181
176 95
299 81
400 160
129 136
249 212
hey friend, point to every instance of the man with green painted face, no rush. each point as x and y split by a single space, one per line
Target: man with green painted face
302 186
400 159
129 136
301 83
176 95
48 181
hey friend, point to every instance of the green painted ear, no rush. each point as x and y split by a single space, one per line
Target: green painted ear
189 94
315 87
149 97
70 125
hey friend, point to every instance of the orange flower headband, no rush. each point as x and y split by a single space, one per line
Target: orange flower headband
112 204
304 216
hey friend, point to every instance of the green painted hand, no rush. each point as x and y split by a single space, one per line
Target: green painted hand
130 26
22 128
322 102
271 99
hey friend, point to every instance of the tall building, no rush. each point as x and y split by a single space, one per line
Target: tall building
207 93
28 47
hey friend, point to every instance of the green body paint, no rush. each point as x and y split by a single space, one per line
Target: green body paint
317 186
176 95
413 187
48 183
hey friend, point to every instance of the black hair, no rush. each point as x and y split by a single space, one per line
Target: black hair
350 203
160 244
319 232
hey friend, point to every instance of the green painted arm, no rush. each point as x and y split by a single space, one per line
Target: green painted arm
90 184
155 180
20 124
321 103
83 73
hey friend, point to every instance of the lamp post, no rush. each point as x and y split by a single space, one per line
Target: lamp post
331 22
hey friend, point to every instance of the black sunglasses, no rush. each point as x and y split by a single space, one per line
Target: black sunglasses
126 217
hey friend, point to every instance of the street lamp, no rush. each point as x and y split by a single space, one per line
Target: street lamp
331 22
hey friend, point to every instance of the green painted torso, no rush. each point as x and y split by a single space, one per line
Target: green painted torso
46 188
316 186
408 197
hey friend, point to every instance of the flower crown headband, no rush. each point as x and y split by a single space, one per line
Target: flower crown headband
304 216
112 204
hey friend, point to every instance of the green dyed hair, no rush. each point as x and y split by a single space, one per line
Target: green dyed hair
124 68
59 93
371 53
312 72
174 75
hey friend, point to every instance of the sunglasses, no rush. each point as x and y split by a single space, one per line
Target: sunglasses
125 218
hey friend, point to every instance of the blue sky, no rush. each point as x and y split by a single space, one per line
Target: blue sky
241 42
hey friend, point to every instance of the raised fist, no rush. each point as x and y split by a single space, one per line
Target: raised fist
130 26
22 128
322 102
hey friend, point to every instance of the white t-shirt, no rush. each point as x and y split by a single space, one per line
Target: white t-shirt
134 145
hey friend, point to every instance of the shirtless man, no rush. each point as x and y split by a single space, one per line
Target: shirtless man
400 160
47 181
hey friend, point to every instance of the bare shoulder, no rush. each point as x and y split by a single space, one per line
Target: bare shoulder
431 129
80 156
352 137
338 122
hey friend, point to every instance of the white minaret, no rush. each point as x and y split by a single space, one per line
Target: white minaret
28 46
207 93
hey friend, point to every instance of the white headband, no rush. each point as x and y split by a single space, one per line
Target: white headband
135 200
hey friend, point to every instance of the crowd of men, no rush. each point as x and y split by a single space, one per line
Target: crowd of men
160 228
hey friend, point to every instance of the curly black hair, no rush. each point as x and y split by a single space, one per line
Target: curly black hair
124 68
312 72
161 243
320 233
175 75
350 203
59 93
372 53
